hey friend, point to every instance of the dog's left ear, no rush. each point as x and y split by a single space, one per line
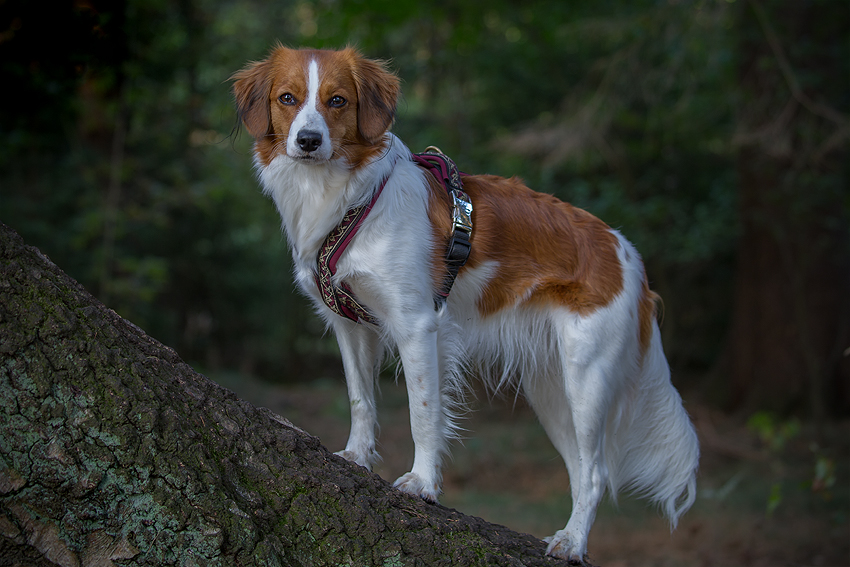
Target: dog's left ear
377 95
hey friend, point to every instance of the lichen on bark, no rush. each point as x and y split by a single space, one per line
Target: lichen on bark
115 452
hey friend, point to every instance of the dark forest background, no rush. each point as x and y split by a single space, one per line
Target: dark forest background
712 133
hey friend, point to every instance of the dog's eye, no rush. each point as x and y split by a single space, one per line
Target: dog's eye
337 101
287 99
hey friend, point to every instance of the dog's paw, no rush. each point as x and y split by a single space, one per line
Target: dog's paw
412 483
363 460
563 546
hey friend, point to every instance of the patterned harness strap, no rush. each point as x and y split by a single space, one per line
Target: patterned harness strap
339 297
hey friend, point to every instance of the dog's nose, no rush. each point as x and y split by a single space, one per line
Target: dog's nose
309 140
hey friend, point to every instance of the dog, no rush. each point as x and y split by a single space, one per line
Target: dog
548 299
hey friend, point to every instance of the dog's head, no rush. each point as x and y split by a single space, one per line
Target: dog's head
315 105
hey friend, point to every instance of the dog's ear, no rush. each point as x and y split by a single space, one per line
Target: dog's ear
251 88
377 95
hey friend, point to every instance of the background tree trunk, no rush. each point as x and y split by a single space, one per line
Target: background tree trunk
791 318
114 451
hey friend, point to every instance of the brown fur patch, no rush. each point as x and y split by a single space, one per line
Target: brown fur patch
440 215
647 311
547 250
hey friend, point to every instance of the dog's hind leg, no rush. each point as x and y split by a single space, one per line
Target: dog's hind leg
572 410
361 354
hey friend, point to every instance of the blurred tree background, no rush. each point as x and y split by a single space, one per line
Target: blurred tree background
712 133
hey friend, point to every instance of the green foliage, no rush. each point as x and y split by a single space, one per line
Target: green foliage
825 475
773 432
776 435
127 165
775 498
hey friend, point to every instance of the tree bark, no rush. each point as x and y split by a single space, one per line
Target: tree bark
115 452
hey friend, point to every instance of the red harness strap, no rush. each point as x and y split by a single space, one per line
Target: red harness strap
340 297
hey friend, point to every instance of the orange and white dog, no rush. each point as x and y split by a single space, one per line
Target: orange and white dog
551 300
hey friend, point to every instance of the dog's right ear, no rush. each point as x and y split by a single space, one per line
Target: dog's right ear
251 88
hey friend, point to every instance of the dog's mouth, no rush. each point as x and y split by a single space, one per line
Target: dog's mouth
308 158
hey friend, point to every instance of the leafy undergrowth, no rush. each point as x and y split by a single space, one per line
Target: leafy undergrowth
771 492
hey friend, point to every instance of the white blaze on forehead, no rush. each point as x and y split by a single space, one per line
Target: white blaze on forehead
313 85
310 119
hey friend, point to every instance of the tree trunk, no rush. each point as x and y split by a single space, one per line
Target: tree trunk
114 451
791 318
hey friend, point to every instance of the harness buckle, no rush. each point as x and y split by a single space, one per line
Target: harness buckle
461 212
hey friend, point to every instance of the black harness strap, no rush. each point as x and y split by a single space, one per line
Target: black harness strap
457 252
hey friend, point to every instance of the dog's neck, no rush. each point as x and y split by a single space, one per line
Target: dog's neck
312 198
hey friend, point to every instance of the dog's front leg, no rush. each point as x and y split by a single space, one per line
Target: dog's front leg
418 352
361 351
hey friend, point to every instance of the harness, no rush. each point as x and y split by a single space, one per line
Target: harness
339 297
